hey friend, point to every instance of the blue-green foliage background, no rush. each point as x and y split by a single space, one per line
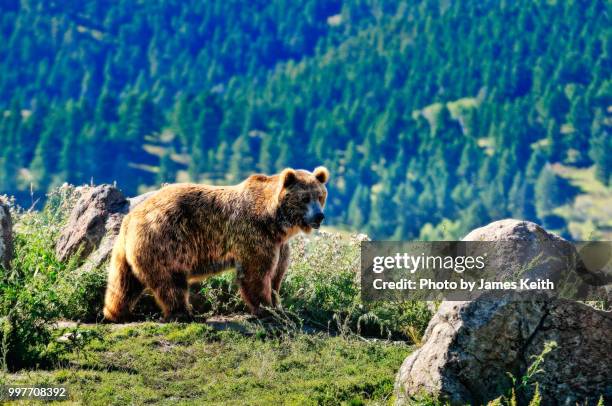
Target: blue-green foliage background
423 111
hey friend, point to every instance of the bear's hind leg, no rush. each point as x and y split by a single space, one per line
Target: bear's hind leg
172 296
122 293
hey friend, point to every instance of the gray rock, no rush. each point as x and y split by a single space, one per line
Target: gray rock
511 230
6 234
99 211
470 347
94 224
135 201
524 248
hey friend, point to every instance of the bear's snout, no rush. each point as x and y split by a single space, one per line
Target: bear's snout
314 214
318 219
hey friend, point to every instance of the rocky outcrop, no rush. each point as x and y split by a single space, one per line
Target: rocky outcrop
470 347
512 230
520 243
97 213
526 249
94 223
6 234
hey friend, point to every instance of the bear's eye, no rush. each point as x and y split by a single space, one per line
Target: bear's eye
305 199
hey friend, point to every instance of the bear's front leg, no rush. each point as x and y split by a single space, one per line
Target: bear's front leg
255 280
279 275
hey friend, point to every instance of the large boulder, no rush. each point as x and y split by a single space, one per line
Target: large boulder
94 224
517 243
97 213
525 249
511 230
6 234
470 347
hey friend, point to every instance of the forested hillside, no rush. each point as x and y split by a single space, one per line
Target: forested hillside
433 117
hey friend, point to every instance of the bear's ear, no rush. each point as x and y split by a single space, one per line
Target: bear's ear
288 177
322 174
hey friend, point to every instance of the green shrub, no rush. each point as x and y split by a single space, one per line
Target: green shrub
37 289
28 300
218 295
81 294
322 286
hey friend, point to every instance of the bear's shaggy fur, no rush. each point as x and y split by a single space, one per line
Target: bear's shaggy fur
186 232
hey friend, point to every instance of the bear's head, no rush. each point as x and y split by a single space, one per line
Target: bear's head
302 197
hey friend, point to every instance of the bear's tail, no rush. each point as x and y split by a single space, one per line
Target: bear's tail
116 301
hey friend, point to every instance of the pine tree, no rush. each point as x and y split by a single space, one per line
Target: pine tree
600 149
166 171
463 194
536 163
68 160
383 212
206 132
555 144
145 119
471 159
268 154
11 152
184 121
47 153
359 207
475 216
197 161
548 192
520 199
222 158
407 221
106 109
70 157
242 159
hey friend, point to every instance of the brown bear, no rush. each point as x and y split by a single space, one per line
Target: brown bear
186 232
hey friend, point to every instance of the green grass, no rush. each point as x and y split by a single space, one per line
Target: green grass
194 364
